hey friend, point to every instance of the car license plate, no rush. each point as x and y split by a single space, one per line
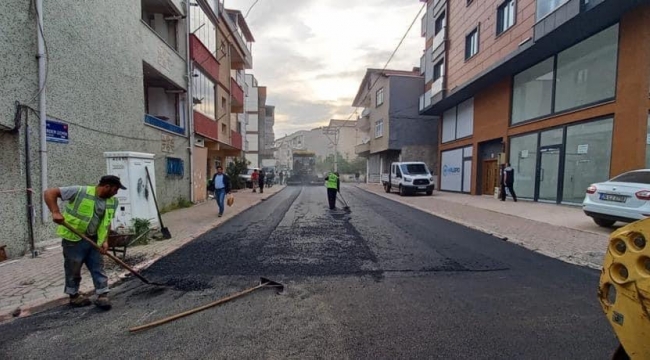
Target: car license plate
615 198
421 187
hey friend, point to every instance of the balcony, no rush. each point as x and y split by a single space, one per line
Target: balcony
439 39
436 87
162 99
158 40
362 149
363 123
242 57
205 126
237 140
203 58
365 113
237 94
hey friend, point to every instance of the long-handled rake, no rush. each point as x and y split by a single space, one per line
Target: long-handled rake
345 203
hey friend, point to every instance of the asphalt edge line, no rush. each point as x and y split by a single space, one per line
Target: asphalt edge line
492 233
124 276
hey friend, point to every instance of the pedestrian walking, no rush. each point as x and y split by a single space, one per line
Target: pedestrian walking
508 182
333 186
281 176
222 187
255 178
356 176
262 177
89 210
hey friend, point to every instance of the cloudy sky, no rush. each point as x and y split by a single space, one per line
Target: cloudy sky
312 54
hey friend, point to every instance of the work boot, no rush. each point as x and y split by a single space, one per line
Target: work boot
79 300
102 302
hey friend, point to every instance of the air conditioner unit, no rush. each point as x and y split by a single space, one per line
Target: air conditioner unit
199 142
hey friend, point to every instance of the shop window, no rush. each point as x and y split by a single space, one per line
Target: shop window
449 125
551 137
458 122
587 157
586 72
533 92
523 158
647 146
451 170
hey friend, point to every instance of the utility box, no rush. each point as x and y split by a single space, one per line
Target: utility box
137 200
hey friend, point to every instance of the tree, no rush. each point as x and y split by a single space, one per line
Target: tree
236 168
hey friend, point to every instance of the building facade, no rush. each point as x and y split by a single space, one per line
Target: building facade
116 85
268 139
560 89
255 109
220 52
390 127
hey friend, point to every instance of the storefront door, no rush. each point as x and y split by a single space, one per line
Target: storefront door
548 173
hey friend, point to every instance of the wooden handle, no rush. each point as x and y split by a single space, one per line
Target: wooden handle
114 258
195 310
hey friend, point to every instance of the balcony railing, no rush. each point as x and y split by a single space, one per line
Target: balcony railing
154 121
205 126
237 140
436 87
203 57
362 148
439 39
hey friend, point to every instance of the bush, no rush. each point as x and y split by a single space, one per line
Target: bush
236 168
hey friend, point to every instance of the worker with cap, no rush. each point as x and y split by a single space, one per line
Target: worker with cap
89 210
333 185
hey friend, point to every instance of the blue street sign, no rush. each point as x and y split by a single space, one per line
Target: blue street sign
57 131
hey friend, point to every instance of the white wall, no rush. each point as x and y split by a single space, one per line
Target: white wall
253 123
162 104
253 142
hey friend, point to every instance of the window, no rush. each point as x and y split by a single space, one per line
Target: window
506 16
224 128
379 128
533 92
175 167
586 72
586 158
469 2
204 94
637 177
223 102
415 169
380 96
458 122
441 21
471 44
545 7
438 70
203 28
581 75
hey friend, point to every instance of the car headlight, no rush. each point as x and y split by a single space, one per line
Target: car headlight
431 179
408 179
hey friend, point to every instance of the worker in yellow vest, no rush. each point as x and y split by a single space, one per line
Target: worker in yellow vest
333 185
89 210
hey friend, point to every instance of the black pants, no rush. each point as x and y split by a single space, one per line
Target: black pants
261 186
331 198
511 189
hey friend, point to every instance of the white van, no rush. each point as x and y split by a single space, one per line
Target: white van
409 177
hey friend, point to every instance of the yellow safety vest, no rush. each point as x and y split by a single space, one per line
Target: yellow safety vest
80 211
331 182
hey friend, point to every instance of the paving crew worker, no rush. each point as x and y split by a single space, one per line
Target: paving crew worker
333 185
89 210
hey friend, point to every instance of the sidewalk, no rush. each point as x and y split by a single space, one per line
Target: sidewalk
29 285
562 232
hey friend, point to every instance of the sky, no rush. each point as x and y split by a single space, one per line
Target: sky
312 54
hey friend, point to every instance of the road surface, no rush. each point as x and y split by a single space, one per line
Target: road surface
383 282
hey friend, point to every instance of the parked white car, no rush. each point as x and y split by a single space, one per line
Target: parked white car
625 198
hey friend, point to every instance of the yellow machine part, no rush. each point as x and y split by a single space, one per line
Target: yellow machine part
624 291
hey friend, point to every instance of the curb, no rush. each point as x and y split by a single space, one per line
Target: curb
491 233
37 307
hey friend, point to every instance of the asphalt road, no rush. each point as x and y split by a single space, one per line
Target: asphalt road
383 282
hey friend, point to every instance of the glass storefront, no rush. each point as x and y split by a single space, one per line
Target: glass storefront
647 146
557 165
523 158
587 157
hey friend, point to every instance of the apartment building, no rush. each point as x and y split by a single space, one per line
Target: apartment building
558 88
390 127
268 140
255 109
118 85
220 52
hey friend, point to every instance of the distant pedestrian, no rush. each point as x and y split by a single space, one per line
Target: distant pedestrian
356 176
255 178
221 183
333 186
281 176
508 182
262 177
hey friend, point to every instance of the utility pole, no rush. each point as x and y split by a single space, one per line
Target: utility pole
335 132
